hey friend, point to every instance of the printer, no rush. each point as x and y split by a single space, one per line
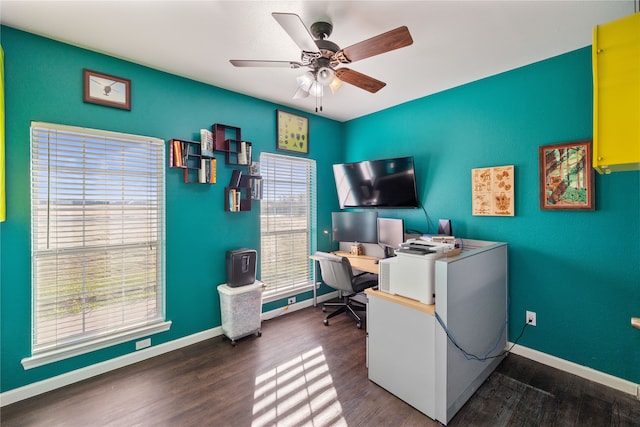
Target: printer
411 273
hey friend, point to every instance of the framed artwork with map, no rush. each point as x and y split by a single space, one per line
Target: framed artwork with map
292 132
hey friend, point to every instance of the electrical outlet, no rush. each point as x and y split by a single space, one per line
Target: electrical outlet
143 344
291 300
531 318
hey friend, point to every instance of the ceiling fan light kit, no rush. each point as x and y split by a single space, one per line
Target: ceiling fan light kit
325 76
322 56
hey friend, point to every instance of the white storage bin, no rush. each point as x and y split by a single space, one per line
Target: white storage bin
241 310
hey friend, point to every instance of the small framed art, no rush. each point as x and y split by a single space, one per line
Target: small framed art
292 132
493 191
566 176
104 89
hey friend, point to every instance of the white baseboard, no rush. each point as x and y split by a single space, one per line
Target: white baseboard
81 374
297 306
579 370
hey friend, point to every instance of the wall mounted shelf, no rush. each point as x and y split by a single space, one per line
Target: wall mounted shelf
187 155
228 139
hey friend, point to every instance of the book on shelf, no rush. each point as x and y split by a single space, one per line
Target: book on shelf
185 154
232 200
202 172
256 188
206 142
207 171
177 154
254 168
242 154
236 174
238 195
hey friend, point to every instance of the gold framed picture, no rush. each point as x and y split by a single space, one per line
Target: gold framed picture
292 132
104 89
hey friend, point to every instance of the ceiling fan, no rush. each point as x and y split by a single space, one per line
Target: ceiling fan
322 56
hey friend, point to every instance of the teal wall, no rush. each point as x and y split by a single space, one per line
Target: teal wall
581 276
44 83
579 271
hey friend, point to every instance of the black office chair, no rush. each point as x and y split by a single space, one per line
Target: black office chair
336 272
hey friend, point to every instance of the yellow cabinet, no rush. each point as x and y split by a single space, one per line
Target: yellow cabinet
616 95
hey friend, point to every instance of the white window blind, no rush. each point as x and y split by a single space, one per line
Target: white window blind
287 218
97 211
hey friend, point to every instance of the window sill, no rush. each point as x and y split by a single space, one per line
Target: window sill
52 356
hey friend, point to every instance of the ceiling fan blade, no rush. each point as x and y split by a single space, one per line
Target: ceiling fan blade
296 29
385 42
360 80
254 63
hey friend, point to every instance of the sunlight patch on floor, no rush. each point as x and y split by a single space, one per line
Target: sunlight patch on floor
297 392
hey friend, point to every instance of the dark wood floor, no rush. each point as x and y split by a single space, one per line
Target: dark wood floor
303 373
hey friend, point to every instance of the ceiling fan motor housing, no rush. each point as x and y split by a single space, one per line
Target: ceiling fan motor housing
321 30
327 48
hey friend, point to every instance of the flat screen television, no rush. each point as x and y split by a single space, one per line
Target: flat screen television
355 226
385 183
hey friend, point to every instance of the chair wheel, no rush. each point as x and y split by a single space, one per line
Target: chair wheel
324 309
326 322
359 325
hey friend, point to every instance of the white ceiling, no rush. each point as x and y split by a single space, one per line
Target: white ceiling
455 42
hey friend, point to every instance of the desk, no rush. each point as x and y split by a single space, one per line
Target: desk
361 262
408 352
358 262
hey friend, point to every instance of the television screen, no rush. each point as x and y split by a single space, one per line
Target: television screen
386 183
355 226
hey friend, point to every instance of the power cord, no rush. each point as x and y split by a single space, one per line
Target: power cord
426 216
471 356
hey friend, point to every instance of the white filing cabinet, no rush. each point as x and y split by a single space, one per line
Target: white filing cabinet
408 351
402 361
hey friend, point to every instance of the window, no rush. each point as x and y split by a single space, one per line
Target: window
97 219
287 224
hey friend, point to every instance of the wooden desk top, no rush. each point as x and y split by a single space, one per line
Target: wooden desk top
361 262
407 302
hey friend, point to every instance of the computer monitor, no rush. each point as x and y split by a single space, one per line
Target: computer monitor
390 234
354 226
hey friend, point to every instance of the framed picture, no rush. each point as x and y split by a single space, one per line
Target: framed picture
104 89
493 191
566 176
292 132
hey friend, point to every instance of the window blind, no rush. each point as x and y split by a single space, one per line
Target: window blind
97 202
287 218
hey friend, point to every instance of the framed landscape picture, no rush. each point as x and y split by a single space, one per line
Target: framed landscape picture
566 176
